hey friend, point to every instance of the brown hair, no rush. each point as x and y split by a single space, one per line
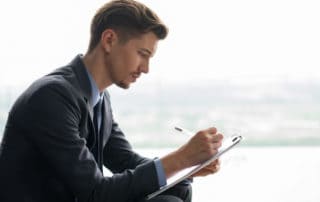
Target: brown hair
128 18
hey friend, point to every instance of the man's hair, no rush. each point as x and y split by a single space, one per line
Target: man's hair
128 18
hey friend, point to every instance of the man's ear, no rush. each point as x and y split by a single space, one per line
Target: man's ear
108 39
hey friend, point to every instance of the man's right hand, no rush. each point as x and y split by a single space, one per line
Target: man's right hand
203 145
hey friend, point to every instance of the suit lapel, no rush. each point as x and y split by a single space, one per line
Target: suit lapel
90 109
83 82
84 87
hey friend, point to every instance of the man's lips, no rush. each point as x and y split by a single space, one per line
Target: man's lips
135 76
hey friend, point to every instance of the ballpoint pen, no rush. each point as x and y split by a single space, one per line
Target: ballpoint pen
235 138
184 131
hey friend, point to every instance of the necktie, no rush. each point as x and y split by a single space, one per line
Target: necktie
97 115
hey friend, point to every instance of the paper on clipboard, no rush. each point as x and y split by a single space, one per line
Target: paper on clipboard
226 146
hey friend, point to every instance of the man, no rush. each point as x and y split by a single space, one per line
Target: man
60 132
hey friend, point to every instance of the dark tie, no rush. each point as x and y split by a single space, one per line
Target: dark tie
97 116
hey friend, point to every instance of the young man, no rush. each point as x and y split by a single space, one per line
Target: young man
60 132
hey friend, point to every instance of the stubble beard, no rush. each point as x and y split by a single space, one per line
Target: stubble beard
123 85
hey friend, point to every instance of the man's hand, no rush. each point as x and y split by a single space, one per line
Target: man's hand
209 169
202 146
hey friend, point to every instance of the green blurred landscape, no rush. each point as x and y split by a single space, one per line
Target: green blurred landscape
279 112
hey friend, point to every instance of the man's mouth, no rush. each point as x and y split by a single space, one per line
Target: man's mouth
135 76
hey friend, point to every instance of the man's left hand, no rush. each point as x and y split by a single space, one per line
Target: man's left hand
209 169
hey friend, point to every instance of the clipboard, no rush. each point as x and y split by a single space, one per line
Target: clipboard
227 144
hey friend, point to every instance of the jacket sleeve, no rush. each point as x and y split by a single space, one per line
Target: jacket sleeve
51 117
118 153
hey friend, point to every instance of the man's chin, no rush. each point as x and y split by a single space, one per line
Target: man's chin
123 85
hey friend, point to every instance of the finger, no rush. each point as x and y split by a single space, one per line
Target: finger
211 169
217 137
216 145
213 166
212 130
206 171
201 173
215 162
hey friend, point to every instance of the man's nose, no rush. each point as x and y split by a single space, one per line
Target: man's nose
145 67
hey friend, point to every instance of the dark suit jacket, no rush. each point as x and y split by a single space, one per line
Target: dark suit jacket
46 152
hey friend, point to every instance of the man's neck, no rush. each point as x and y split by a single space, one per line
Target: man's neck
94 63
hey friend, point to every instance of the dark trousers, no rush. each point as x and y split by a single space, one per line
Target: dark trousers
178 193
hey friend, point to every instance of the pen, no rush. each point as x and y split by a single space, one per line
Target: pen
184 131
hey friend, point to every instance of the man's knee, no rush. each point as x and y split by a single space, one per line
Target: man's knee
182 191
166 198
178 193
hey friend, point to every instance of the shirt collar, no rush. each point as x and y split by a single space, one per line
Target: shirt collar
95 94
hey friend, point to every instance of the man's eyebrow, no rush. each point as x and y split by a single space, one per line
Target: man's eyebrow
146 50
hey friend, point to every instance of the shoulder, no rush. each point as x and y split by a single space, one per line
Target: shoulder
50 92
51 85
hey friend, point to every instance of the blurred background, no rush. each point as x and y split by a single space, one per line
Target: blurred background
246 67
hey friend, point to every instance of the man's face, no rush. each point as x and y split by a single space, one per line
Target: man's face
128 60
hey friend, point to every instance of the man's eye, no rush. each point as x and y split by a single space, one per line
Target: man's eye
143 54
